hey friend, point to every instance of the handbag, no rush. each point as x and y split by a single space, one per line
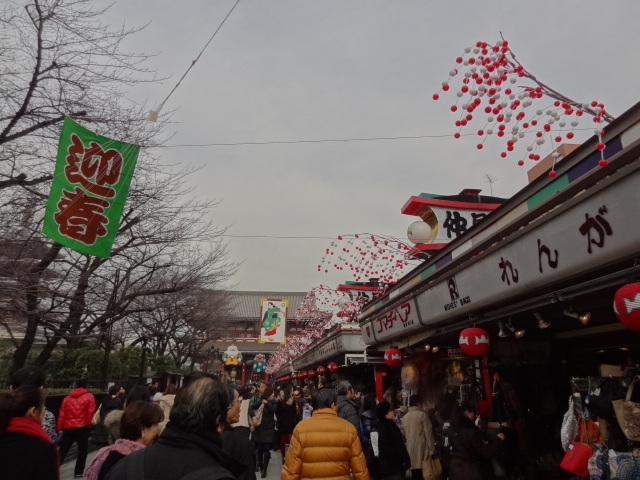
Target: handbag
258 415
431 469
599 401
96 417
569 428
576 458
624 465
618 407
598 464
631 412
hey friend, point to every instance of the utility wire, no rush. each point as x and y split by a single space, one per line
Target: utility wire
274 236
324 140
193 62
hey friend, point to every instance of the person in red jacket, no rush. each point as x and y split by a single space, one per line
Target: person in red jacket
74 421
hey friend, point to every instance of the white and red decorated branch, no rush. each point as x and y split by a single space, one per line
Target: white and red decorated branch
497 96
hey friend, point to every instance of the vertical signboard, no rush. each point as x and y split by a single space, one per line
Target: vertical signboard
273 320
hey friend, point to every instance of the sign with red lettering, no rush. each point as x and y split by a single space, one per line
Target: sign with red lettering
89 190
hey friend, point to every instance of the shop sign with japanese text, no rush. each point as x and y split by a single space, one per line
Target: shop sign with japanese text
593 232
400 320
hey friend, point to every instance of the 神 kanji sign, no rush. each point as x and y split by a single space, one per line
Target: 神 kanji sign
89 189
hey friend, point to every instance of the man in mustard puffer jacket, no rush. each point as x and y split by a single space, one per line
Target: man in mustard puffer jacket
325 446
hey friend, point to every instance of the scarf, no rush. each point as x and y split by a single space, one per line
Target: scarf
122 446
30 426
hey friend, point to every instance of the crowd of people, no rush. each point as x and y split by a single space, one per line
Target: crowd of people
216 430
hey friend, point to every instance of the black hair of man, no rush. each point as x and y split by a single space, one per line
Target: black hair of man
414 400
81 383
324 398
113 390
29 375
200 406
343 387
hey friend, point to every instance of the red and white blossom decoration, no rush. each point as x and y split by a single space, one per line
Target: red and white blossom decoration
489 95
365 255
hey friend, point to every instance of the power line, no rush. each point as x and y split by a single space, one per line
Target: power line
276 236
193 62
324 140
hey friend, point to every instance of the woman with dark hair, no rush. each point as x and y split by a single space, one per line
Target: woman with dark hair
112 420
191 444
287 418
468 448
264 434
393 458
235 441
138 429
26 451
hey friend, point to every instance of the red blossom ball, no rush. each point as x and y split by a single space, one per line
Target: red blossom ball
553 174
436 96
600 146
602 162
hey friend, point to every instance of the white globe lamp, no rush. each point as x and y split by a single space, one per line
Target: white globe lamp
344 302
419 232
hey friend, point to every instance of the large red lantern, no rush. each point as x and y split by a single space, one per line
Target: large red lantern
474 341
294 375
332 367
321 370
311 373
393 357
302 374
626 304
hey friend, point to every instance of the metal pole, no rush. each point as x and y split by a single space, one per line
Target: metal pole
107 346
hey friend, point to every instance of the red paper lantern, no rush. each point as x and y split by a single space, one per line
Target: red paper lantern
332 367
626 304
311 373
474 341
302 374
321 370
393 357
294 375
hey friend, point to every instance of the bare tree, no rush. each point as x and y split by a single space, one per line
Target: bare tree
57 59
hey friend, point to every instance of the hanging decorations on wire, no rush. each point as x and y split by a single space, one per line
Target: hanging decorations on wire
531 112
364 255
333 367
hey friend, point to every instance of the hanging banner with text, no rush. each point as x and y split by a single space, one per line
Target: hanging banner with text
273 320
89 189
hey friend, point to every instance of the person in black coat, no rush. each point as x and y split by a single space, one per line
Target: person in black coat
286 419
235 442
469 451
264 434
26 450
191 443
369 423
393 458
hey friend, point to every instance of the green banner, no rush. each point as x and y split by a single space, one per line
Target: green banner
89 189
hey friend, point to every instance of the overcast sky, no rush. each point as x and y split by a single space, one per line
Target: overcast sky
287 70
